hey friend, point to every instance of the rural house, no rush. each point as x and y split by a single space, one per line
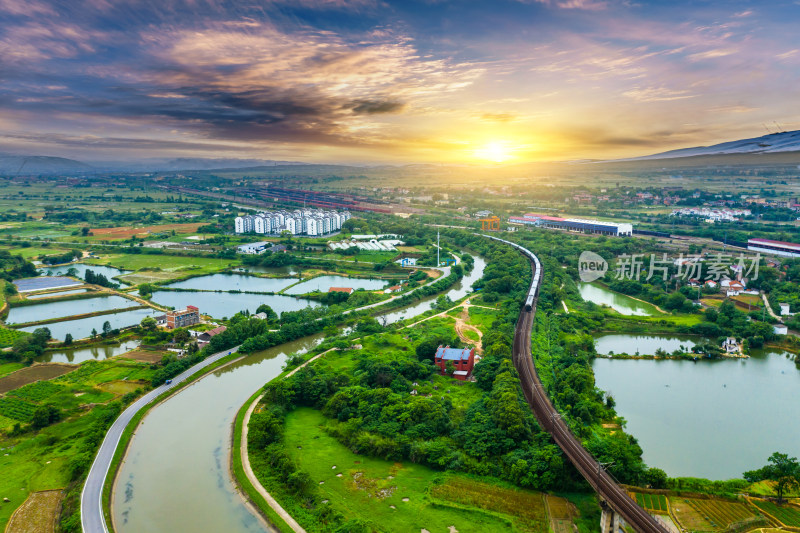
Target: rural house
463 359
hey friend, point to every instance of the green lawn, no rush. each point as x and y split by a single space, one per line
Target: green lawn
7 368
369 488
164 262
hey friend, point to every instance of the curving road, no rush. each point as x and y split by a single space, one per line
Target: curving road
551 421
92 519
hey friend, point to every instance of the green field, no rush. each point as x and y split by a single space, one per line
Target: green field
788 514
652 502
397 496
42 460
162 267
703 515
7 368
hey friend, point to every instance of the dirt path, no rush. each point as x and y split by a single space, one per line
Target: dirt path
248 470
769 307
462 326
290 374
565 306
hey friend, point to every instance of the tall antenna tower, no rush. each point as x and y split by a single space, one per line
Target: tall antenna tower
438 261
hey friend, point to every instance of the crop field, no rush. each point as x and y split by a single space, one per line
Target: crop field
126 232
95 372
383 492
33 373
16 409
152 268
525 506
38 514
7 368
788 514
561 513
8 336
710 515
37 392
652 502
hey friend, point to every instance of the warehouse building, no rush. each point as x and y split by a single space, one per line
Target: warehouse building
599 227
786 249
311 222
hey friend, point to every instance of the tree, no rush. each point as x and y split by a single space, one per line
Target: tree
181 336
264 308
783 470
68 339
106 328
45 415
148 323
94 333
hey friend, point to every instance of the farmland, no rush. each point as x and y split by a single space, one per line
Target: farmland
38 514
788 514
126 232
656 503
712 515
43 460
8 336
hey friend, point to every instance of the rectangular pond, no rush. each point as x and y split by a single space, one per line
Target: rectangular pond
55 294
712 418
224 304
82 327
631 344
87 353
323 283
622 304
81 268
48 310
234 282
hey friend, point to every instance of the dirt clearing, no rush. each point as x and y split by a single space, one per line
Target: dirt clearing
38 514
37 372
126 232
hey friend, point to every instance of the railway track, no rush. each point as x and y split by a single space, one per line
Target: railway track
547 415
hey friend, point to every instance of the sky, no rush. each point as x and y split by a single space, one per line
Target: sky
372 81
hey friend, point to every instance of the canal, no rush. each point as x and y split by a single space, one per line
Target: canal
713 419
176 474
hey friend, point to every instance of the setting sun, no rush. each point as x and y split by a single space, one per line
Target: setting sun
497 151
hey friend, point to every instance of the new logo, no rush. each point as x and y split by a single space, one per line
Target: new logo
591 266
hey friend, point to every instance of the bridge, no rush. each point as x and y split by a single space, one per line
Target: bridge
618 507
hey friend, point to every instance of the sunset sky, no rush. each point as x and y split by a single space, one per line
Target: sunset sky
370 81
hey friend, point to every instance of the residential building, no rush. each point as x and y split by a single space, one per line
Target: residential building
183 318
253 248
312 222
780 329
785 310
462 359
348 290
730 345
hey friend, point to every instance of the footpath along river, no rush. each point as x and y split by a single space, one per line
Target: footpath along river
176 474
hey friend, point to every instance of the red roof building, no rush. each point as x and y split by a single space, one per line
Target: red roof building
463 361
348 290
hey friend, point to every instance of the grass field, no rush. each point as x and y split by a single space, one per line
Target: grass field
8 336
561 513
395 496
161 267
789 515
710 515
126 232
7 368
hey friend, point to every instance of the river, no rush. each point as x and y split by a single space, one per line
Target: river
713 419
176 475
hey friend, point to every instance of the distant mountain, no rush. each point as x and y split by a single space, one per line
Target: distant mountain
18 165
190 163
785 141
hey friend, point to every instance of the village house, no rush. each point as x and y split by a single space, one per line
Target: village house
730 345
205 336
393 288
780 329
347 290
462 359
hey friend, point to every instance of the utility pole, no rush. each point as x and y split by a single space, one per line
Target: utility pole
438 249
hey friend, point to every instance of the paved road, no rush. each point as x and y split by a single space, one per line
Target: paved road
92 519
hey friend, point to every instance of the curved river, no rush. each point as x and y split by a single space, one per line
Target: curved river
176 477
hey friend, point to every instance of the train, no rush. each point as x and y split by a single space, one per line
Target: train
533 291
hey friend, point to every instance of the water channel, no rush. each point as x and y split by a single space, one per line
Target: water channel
175 476
713 418
82 327
622 304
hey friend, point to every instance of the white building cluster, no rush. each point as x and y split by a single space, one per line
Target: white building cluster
713 214
373 245
310 222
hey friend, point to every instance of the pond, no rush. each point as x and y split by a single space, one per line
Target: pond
323 283
284 271
82 327
88 353
644 344
54 294
713 418
58 309
234 282
224 304
107 271
622 304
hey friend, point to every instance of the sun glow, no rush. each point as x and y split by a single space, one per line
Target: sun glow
496 151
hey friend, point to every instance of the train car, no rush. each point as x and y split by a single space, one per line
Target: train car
533 291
